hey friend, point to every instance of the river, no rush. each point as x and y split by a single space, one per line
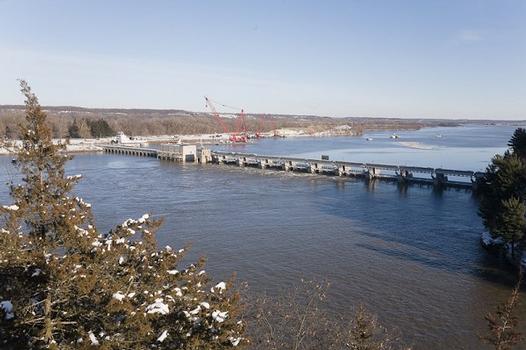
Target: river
411 255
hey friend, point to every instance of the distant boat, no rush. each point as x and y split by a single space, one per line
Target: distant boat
369 139
395 136
439 136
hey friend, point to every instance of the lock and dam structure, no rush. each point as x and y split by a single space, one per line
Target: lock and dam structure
437 177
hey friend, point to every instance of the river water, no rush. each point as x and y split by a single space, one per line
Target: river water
410 255
460 148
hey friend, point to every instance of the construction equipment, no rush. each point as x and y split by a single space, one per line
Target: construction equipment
216 116
261 126
238 136
241 133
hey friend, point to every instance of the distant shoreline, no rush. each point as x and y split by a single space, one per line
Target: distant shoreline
87 145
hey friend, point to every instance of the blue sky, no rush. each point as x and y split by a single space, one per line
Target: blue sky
398 58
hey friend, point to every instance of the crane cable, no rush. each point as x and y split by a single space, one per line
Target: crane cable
224 105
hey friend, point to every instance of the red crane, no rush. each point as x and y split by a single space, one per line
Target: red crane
261 125
217 118
241 127
238 136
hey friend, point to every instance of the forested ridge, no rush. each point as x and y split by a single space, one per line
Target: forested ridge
149 122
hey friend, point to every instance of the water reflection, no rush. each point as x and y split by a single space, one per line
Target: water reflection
371 184
402 188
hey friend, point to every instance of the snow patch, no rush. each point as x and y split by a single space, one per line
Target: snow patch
162 337
196 310
219 316
93 339
143 218
488 241
234 341
158 307
7 307
119 296
81 202
221 286
13 207
81 230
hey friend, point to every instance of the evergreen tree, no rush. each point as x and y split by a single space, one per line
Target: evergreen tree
502 192
66 285
518 143
73 130
100 128
10 134
55 131
511 221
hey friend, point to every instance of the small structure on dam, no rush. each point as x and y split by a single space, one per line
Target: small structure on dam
178 152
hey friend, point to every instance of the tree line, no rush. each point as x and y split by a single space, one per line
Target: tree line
87 128
176 122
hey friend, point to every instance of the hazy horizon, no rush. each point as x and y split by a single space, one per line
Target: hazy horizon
410 59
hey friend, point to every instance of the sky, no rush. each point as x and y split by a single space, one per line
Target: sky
392 58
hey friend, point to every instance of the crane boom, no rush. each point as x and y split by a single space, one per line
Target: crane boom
216 116
241 123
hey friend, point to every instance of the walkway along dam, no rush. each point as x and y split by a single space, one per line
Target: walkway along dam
437 177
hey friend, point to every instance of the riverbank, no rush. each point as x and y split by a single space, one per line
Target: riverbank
498 246
74 147
94 144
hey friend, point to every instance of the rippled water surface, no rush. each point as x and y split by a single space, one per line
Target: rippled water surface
411 255
460 148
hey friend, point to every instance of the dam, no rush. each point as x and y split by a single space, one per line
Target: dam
437 177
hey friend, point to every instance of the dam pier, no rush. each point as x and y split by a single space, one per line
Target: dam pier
437 177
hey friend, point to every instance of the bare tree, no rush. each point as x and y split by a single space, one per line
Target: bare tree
503 333
298 319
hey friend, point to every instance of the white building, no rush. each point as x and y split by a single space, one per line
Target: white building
123 138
